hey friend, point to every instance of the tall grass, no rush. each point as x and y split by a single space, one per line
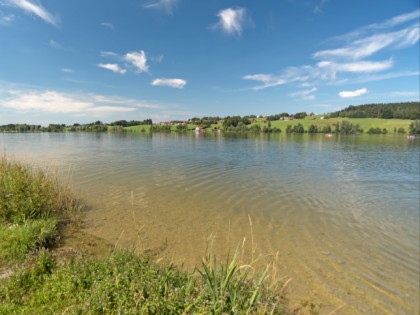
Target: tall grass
29 194
126 283
33 205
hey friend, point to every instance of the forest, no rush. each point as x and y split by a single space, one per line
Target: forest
405 110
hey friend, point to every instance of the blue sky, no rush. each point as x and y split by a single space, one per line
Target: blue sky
80 61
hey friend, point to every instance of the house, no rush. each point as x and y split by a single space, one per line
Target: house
199 129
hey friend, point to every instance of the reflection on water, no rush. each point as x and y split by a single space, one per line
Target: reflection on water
342 212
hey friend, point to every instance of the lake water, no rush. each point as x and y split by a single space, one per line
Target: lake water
342 212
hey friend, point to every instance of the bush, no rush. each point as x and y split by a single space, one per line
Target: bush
415 127
374 131
313 129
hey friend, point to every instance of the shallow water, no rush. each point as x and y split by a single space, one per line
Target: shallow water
342 212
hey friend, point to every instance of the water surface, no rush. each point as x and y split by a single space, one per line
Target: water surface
343 212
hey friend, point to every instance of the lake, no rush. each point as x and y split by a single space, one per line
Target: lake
342 213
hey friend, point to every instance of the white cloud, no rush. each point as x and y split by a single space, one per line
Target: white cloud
56 102
113 67
360 66
36 9
108 54
305 94
138 60
348 63
367 46
174 83
268 80
148 106
55 45
48 101
67 70
6 19
377 77
308 97
108 25
165 5
390 23
349 94
319 6
232 20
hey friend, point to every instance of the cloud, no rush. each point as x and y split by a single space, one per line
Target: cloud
232 20
349 94
360 66
174 83
108 54
366 46
138 60
67 70
55 45
164 5
348 62
289 75
113 67
268 80
319 6
56 102
305 94
36 9
108 25
377 77
6 19
390 23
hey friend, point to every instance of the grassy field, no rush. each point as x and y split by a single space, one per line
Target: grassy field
39 278
140 128
364 123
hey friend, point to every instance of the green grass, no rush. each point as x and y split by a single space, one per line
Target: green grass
18 240
126 283
140 128
33 206
28 194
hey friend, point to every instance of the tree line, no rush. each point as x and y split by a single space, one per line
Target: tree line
405 110
93 126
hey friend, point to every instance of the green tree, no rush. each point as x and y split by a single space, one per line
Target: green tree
414 128
313 129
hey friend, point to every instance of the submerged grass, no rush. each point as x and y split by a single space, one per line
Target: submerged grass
32 207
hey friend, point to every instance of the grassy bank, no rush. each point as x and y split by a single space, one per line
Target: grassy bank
33 208
37 278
